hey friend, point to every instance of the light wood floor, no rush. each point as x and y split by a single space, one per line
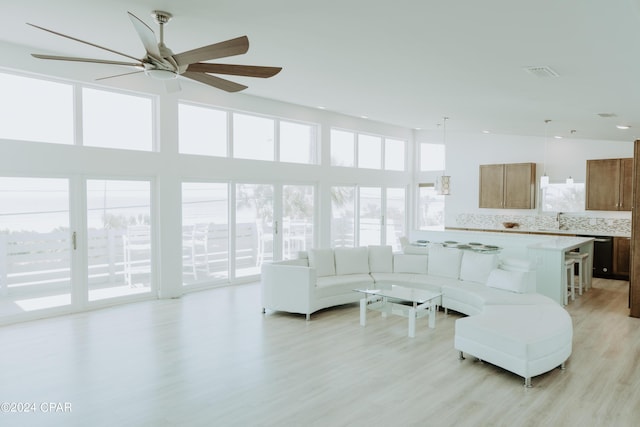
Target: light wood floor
213 359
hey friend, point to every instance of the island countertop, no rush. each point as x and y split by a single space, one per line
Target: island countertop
561 243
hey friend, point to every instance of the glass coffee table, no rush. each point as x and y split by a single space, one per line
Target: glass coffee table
402 301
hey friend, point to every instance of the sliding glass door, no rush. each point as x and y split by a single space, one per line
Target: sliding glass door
36 244
205 232
119 238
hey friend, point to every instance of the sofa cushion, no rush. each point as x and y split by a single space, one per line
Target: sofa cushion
405 263
323 261
329 286
352 260
380 259
475 267
444 262
514 281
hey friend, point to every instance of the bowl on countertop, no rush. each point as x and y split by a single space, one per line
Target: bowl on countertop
510 224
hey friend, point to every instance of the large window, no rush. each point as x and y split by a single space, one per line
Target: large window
343 207
369 152
370 219
297 221
297 143
202 131
119 238
394 154
205 232
36 110
116 120
381 216
254 242
395 218
342 148
373 152
563 197
430 208
253 137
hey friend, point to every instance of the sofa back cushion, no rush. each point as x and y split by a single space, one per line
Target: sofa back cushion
444 262
476 267
323 261
380 259
352 260
409 263
524 266
514 281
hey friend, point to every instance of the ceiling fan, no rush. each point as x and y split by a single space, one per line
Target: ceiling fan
162 64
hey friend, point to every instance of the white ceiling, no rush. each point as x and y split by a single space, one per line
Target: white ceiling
406 62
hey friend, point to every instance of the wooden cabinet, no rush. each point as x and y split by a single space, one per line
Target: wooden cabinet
609 184
621 256
508 186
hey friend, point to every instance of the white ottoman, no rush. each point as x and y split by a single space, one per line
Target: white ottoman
527 340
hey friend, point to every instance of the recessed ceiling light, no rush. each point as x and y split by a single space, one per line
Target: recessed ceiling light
486 131
541 71
557 137
623 126
321 107
364 117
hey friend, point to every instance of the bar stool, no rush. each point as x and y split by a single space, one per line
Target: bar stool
579 258
570 288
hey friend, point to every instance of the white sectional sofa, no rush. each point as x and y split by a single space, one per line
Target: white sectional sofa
495 293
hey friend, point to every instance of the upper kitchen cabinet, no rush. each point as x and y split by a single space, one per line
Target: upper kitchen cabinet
508 186
609 184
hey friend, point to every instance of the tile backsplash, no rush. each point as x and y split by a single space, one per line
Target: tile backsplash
563 222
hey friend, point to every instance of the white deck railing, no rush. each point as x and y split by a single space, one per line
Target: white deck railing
41 262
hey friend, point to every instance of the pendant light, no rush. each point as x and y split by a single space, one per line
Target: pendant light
544 179
443 182
569 181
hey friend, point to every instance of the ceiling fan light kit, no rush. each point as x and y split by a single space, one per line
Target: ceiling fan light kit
161 63
161 74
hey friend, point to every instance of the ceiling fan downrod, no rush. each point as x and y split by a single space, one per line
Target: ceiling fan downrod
161 17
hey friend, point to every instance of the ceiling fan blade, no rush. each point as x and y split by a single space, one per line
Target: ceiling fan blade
216 82
236 70
85 42
231 47
91 60
120 75
147 36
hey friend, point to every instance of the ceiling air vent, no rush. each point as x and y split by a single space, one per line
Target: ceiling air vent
541 71
605 115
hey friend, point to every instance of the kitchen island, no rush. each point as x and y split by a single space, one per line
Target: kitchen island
549 256
546 252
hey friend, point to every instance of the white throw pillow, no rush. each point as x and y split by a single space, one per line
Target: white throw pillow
322 260
516 264
407 263
513 281
476 267
352 260
444 262
381 259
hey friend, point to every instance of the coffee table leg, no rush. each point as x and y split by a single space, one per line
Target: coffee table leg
412 322
432 316
363 311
